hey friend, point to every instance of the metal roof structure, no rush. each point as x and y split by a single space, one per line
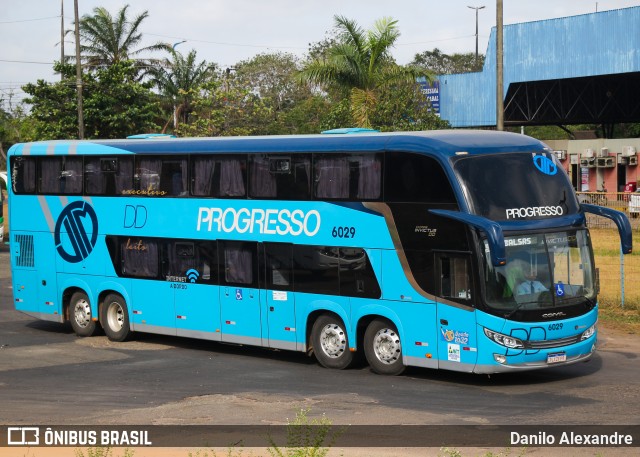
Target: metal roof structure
578 69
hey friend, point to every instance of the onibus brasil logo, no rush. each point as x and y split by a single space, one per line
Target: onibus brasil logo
81 226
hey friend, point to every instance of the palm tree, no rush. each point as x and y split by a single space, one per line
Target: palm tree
360 64
106 40
176 80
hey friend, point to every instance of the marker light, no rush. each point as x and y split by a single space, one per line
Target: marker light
500 358
504 340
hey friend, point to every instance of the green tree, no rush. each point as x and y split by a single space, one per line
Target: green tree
438 63
115 104
177 79
272 77
360 65
220 109
107 40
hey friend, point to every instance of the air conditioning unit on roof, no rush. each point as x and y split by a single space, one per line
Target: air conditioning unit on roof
561 155
628 151
588 153
605 162
604 152
588 163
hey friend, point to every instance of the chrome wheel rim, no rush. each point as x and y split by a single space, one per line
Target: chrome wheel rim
82 313
115 316
386 346
333 340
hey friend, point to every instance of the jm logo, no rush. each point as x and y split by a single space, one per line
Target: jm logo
545 164
76 244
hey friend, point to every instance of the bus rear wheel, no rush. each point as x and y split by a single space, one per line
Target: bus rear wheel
80 315
382 348
330 342
115 318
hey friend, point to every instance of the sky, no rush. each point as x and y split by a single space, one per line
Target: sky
229 31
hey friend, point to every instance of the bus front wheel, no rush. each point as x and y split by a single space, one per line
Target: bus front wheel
382 348
80 315
115 318
330 342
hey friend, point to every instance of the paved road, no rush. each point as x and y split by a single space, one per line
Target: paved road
50 376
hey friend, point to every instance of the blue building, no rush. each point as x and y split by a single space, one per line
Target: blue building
571 70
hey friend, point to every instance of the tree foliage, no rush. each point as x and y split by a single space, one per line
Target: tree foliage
360 65
115 104
107 40
438 63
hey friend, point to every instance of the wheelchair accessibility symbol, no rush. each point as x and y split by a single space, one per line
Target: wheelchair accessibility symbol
560 290
80 234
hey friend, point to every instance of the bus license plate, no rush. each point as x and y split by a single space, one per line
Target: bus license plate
557 357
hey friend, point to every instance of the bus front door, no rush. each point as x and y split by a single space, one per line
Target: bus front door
279 296
456 319
240 313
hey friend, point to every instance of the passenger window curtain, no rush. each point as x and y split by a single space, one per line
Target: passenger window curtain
50 174
238 265
124 176
71 182
332 177
231 178
263 182
203 168
94 177
369 181
140 258
177 264
23 175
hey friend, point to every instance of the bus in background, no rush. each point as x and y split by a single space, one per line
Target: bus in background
3 189
457 250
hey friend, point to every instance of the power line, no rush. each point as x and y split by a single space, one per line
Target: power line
26 61
30 20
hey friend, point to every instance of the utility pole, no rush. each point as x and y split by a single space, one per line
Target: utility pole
79 74
62 36
476 8
499 68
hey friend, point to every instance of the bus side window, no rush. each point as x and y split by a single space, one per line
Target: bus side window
61 175
108 175
348 176
416 178
161 176
190 261
455 278
279 262
139 257
277 176
238 260
23 175
219 176
357 278
316 269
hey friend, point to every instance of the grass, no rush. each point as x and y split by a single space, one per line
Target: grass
606 247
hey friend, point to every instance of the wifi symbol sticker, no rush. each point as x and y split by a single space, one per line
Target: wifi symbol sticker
192 275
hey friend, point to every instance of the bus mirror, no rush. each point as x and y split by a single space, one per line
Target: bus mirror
492 229
621 221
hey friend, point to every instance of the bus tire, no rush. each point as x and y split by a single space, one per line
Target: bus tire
382 348
114 316
80 315
330 342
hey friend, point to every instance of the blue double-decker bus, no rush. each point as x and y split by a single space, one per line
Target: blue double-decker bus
456 250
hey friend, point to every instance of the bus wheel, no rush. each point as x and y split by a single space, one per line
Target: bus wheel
382 348
115 318
330 343
80 315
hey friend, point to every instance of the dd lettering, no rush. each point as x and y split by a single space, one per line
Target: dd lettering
135 216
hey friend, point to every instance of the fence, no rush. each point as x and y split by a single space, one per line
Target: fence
619 276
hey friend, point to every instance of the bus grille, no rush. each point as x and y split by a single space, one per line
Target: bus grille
546 344
24 258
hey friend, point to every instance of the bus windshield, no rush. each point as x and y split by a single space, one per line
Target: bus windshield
512 186
542 271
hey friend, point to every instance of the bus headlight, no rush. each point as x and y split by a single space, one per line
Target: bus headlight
588 333
504 340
